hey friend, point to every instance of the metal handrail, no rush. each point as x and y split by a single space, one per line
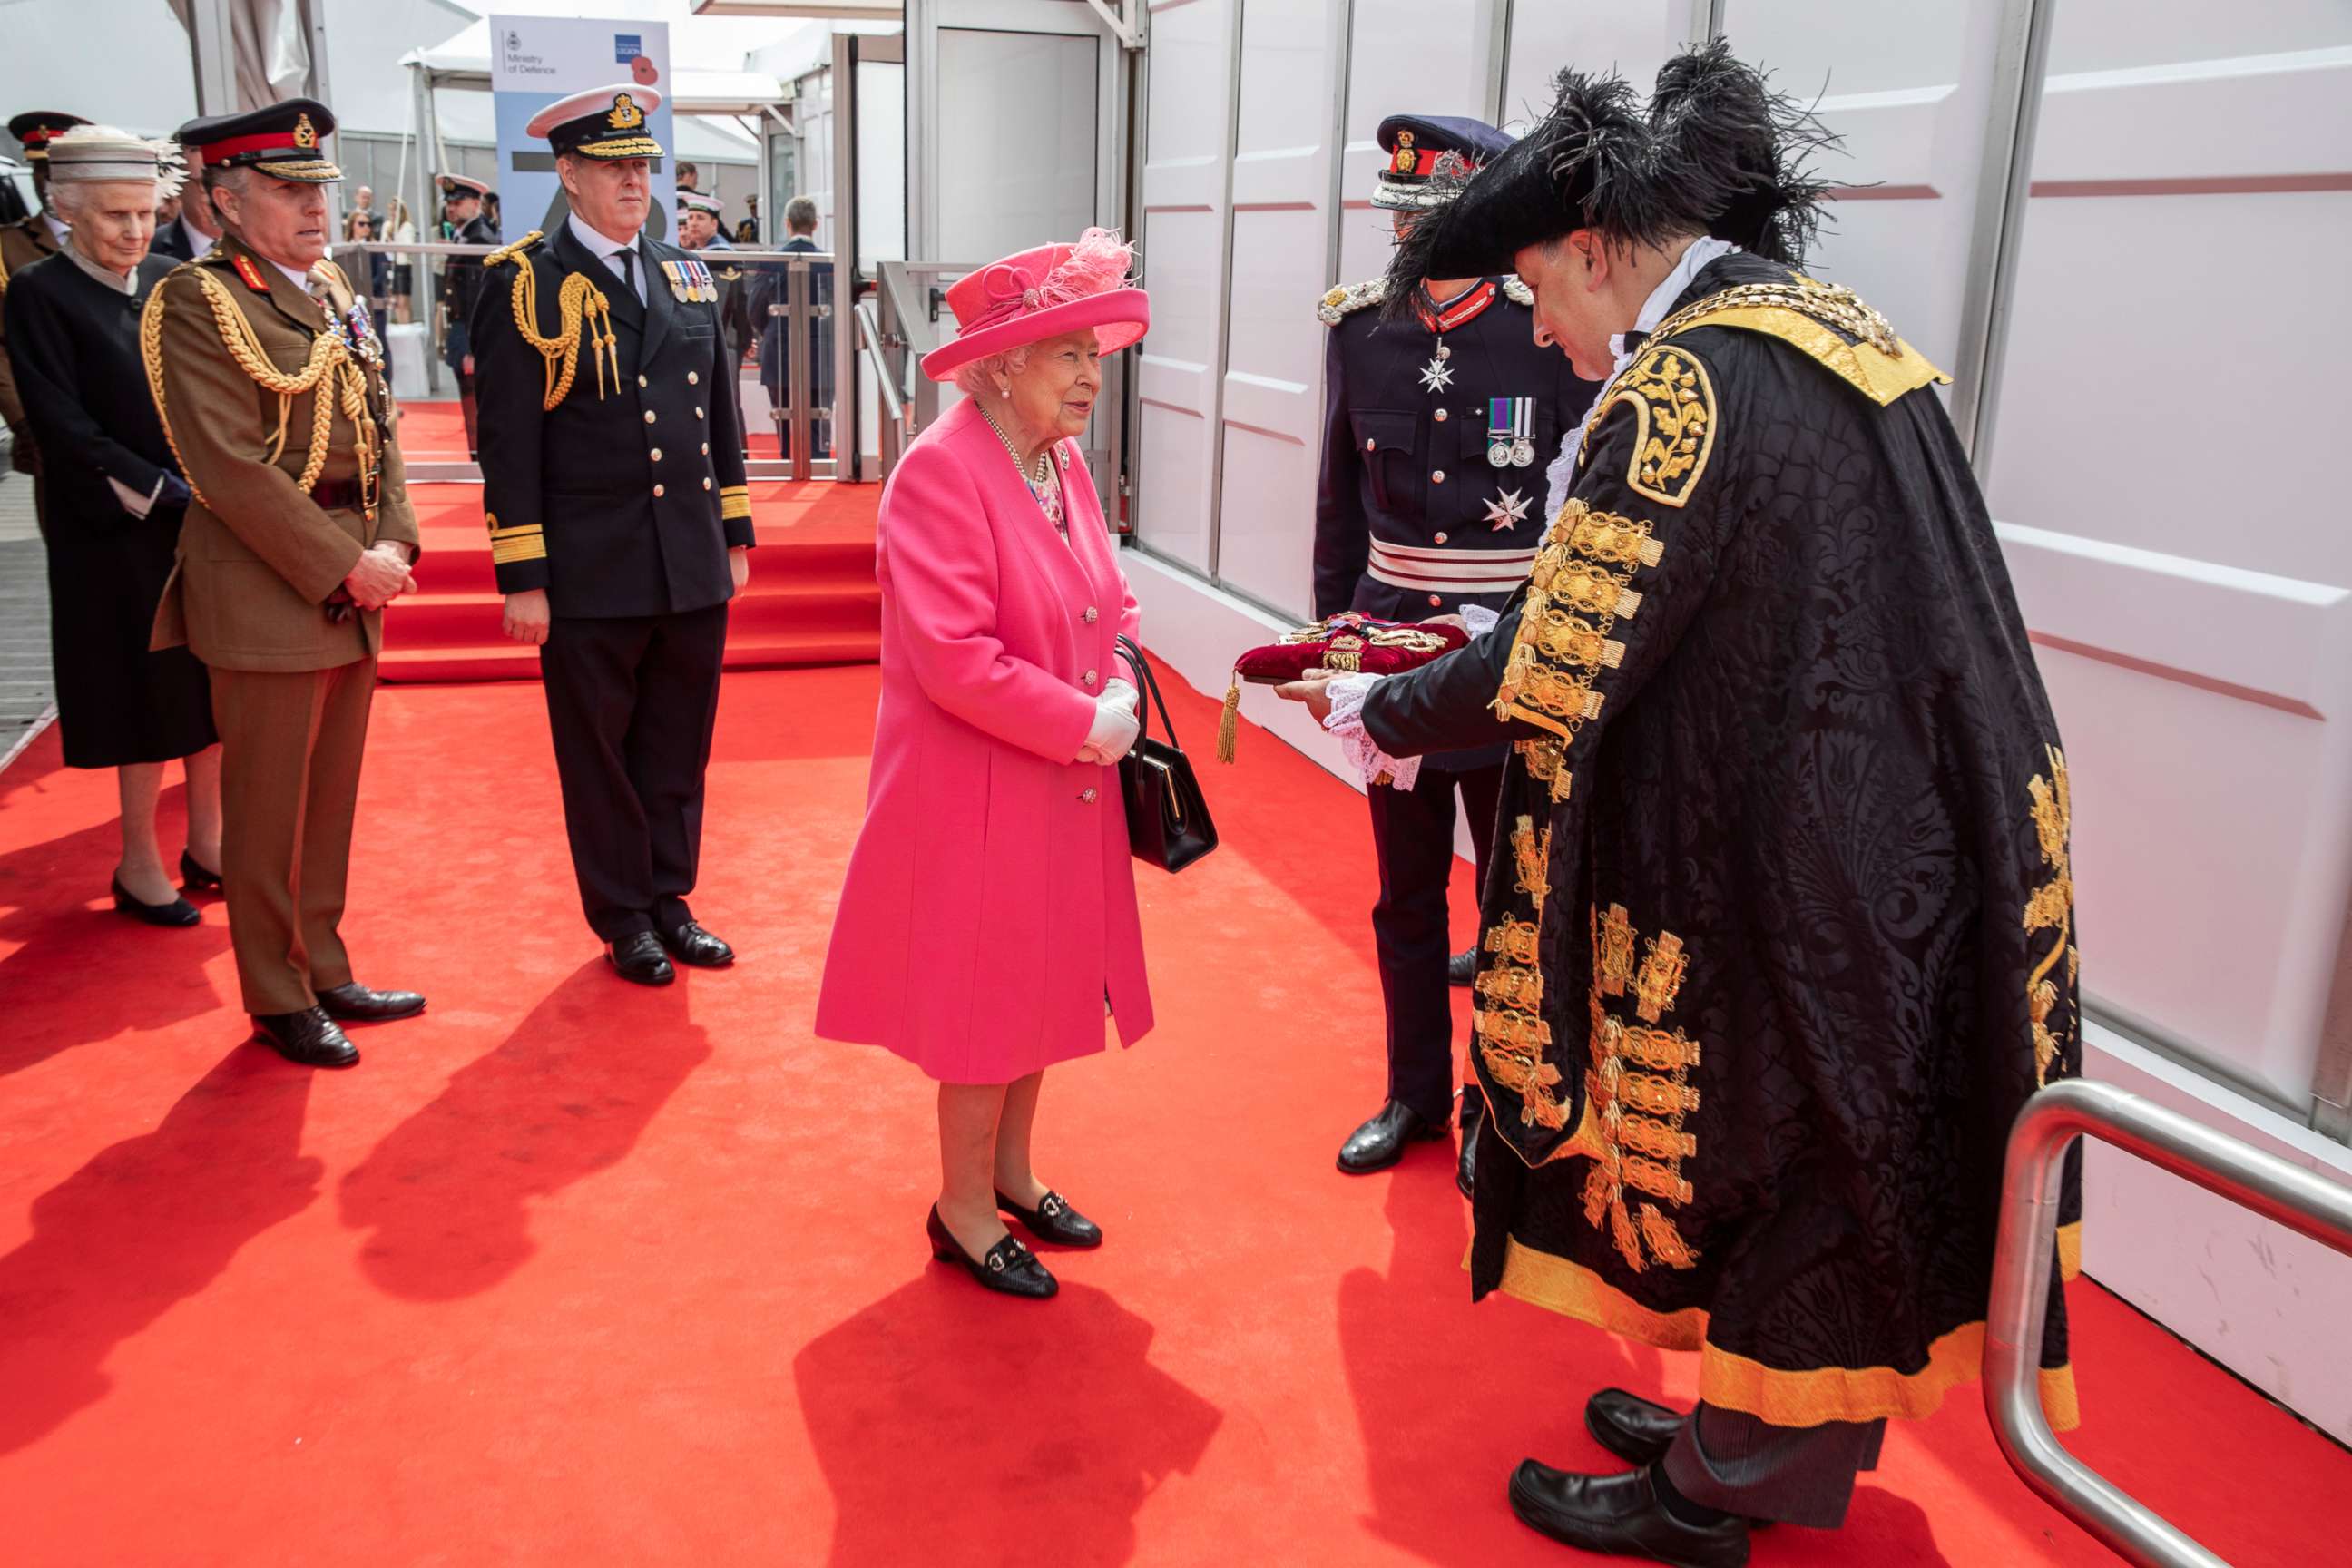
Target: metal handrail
896 432
2051 1122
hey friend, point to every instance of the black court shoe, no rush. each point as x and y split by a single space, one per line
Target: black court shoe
178 912
1009 1267
1621 1516
1054 1220
194 879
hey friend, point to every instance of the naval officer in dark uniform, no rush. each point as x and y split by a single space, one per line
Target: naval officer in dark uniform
461 290
620 525
1436 429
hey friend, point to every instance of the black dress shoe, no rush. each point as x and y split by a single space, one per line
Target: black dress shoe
1462 967
639 957
1009 1266
1621 1516
194 879
689 943
1379 1142
178 912
355 1003
309 1038
1054 1220
1633 1428
1466 1169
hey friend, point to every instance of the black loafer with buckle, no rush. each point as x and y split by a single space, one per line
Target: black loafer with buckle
1054 1220
1009 1267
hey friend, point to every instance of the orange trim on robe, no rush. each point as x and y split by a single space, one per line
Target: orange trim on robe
1784 1398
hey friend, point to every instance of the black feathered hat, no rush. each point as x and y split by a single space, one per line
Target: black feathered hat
1715 152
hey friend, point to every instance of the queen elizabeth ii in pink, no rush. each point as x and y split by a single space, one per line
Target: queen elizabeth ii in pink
989 919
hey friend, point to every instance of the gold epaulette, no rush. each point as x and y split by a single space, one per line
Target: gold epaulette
585 310
1829 325
1350 298
509 252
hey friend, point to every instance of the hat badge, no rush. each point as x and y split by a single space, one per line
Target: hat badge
1407 158
1451 164
625 115
306 136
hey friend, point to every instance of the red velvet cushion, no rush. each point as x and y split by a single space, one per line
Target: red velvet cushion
1349 642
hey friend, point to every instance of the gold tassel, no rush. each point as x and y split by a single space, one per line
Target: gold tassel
1229 723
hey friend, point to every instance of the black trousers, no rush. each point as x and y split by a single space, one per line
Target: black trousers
1413 834
472 412
631 701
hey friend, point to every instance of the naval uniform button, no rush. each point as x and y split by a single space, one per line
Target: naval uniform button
693 378
1438 477
1440 416
1371 445
697 413
657 457
1434 601
706 448
649 416
1439 539
705 482
1088 795
641 381
657 491
1091 615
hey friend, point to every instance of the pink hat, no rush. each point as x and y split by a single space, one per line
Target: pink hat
1043 293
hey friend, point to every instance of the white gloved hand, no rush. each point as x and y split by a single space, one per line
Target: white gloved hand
1115 729
1119 687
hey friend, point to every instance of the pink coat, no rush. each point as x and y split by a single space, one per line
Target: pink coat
989 904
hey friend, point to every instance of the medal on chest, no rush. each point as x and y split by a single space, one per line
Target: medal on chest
690 282
1507 509
1510 431
359 331
1437 375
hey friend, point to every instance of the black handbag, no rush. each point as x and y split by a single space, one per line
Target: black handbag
1166 817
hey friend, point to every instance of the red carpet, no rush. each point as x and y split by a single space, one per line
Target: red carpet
568 1273
812 598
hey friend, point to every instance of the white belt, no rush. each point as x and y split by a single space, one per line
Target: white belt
1451 571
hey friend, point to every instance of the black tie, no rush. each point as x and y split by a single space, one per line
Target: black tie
628 268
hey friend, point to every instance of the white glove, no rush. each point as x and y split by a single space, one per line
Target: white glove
1114 726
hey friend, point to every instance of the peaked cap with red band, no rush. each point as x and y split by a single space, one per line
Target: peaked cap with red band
1043 293
281 140
35 129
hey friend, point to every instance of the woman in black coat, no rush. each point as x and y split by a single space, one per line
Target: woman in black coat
112 503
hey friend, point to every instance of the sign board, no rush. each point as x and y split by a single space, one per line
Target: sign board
534 60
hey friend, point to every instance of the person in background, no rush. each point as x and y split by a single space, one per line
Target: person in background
404 264
114 500
769 293
983 932
1433 425
698 231
620 525
362 207
376 266
747 231
167 210
689 178
22 243
198 228
288 555
461 285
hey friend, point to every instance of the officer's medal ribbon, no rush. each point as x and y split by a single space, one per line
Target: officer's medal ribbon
1510 431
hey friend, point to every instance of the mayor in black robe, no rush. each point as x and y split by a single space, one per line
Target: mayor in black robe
1778 937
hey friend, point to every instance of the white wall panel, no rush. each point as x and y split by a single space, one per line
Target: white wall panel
1634 37
995 195
1405 56
1186 155
2173 515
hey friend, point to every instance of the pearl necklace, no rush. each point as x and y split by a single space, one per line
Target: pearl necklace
1042 474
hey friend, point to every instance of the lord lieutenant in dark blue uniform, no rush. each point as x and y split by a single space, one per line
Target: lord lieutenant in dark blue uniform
620 526
1436 431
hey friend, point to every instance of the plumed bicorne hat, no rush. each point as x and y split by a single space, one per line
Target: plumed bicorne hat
1715 152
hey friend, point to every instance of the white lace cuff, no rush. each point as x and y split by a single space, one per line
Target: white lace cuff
1347 722
1478 619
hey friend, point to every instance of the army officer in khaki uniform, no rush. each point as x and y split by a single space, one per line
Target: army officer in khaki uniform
269 378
